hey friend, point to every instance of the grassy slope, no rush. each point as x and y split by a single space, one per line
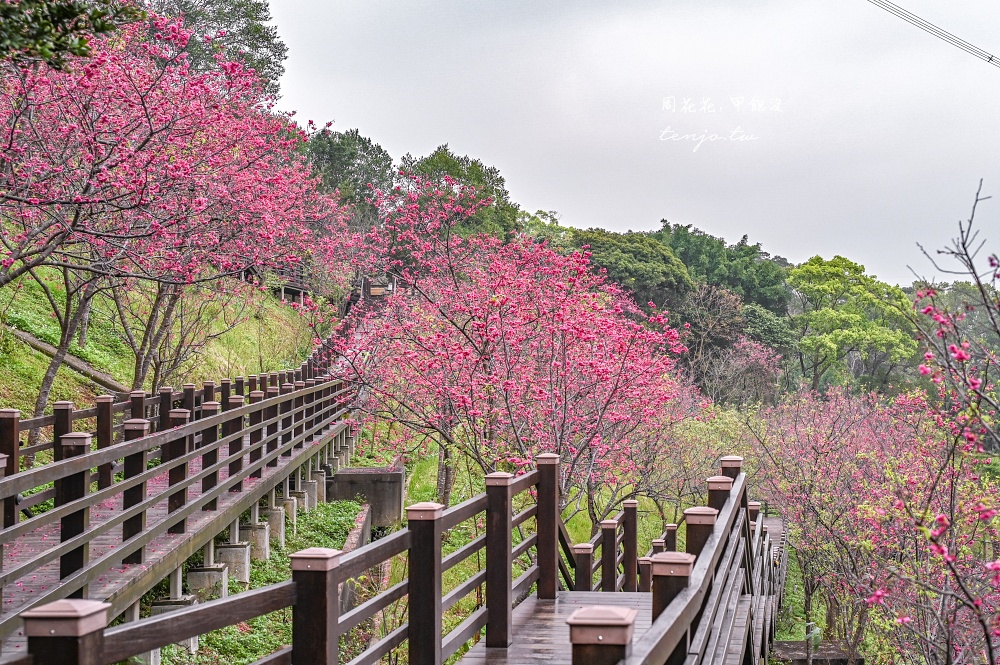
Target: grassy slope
272 337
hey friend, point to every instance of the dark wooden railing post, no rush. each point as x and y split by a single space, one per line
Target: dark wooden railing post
252 383
316 612
178 447
424 633
718 491
10 445
63 413
670 539
583 555
225 392
601 635
630 543
207 393
135 464
310 407
286 422
548 524
645 574
210 457
105 436
732 466
658 545
753 509
240 387
67 632
256 431
671 574
166 405
190 401
700 522
609 555
270 413
137 404
69 488
300 414
499 577
235 426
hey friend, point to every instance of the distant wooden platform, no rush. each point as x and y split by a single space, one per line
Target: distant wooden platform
540 631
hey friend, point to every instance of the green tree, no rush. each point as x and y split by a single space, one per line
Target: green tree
744 269
839 311
500 217
50 31
348 162
767 327
637 262
237 27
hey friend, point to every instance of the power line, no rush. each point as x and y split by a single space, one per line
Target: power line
940 33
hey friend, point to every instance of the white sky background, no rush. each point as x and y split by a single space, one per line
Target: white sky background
883 134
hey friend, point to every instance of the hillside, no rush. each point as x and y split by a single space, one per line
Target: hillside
269 335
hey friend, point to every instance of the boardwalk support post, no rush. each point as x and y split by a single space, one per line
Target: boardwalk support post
732 466
499 596
210 457
645 574
670 538
700 524
135 464
630 544
424 633
671 574
316 612
601 635
548 525
10 445
67 632
105 436
583 554
172 450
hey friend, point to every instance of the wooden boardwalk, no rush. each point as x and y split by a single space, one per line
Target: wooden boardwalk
540 631
123 584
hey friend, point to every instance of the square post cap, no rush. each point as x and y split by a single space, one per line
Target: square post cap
61 405
100 399
583 548
546 458
673 564
602 624
236 400
499 479
136 425
731 462
609 524
180 413
701 515
167 389
630 503
10 413
658 541
724 483
425 510
317 559
189 385
753 505
69 617
75 439
137 393
257 394
670 527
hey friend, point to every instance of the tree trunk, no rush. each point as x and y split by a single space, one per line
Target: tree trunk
445 476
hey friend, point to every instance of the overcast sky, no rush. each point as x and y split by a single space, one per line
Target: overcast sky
863 135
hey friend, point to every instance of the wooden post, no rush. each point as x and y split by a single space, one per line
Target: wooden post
178 447
67 632
271 413
310 402
583 555
135 464
316 612
240 388
235 426
70 488
137 404
601 635
424 634
645 574
718 491
286 423
630 544
225 392
671 574
210 457
166 404
63 412
753 508
190 401
256 431
274 380
547 520
670 542
732 466
700 524
609 555
300 414
105 437
10 445
252 383
207 393
658 545
499 576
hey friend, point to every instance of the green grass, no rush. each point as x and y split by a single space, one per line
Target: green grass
325 526
270 336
